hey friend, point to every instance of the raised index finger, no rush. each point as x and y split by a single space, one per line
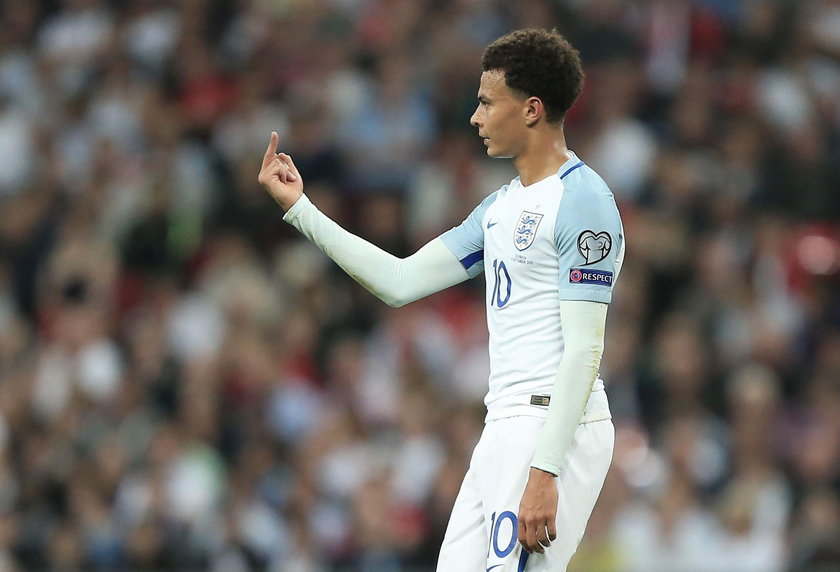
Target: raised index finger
271 152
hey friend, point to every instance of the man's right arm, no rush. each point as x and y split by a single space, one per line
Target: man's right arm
396 281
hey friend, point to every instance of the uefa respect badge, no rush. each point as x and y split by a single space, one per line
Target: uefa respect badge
587 276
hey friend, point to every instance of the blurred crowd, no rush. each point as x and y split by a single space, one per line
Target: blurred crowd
186 384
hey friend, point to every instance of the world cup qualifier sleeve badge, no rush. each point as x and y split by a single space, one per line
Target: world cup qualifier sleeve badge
594 247
526 229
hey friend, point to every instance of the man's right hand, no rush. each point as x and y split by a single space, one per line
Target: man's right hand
279 175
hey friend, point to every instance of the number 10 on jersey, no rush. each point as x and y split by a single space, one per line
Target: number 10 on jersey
502 281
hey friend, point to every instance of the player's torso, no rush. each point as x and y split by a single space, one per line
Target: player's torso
520 255
523 310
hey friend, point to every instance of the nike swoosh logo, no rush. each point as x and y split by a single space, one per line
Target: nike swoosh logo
496 566
489 225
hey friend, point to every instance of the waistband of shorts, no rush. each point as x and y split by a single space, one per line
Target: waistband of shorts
597 408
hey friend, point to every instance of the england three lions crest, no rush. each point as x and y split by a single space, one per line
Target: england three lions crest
526 229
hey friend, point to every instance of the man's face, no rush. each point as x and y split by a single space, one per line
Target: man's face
500 116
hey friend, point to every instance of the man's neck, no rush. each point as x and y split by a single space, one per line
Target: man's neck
541 159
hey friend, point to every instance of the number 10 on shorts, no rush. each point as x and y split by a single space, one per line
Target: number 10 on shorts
499 528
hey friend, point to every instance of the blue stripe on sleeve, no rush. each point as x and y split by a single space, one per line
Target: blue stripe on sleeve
466 241
471 259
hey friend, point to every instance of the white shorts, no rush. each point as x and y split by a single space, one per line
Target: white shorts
482 531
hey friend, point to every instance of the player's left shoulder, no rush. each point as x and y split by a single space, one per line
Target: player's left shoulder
585 184
586 194
588 216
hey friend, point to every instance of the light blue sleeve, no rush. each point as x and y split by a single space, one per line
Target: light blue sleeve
466 241
589 238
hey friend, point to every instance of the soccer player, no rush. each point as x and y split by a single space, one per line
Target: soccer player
551 245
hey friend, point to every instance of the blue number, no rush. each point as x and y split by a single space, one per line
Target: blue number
499 268
492 522
507 515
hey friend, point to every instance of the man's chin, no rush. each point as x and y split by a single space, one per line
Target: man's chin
495 154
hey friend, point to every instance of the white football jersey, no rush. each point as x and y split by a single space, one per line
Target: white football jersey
558 239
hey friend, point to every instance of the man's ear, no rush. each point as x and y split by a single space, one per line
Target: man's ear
534 111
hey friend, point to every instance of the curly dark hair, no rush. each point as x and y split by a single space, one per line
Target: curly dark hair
538 63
